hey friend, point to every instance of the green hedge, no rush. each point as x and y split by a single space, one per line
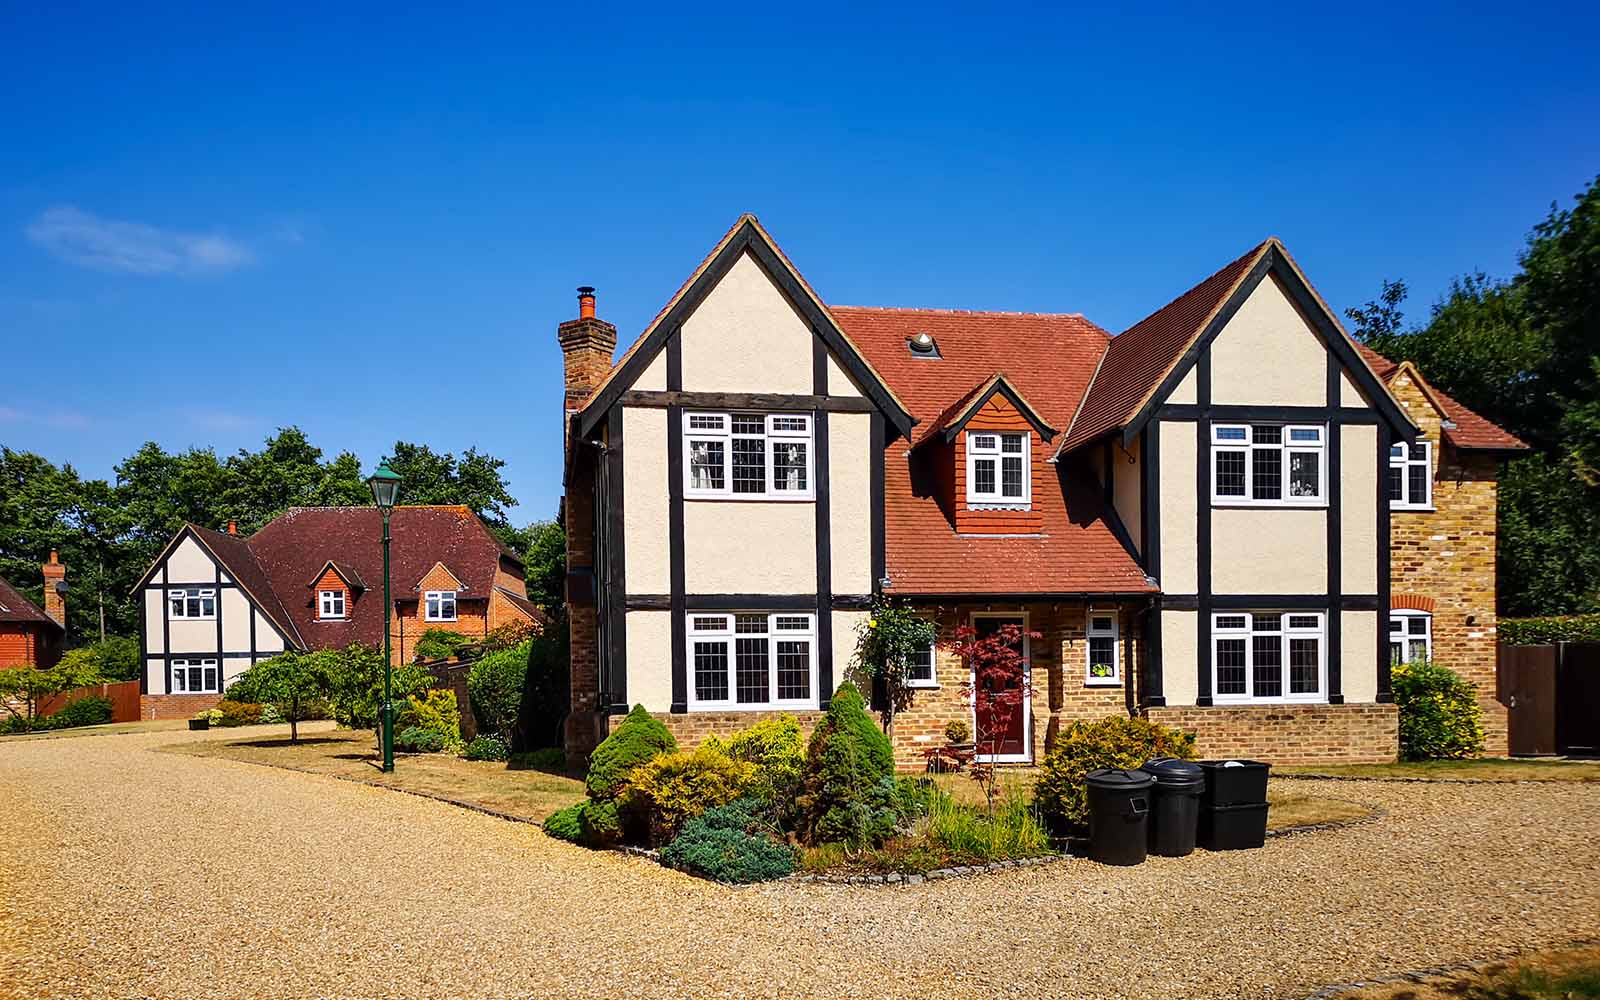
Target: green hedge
1557 628
1439 713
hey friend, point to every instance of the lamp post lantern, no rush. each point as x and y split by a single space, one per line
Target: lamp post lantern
385 486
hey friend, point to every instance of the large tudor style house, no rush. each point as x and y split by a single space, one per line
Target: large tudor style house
1227 518
31 636
215 602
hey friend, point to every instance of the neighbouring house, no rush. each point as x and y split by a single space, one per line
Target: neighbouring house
1444 497
217 602
1192 516
31 636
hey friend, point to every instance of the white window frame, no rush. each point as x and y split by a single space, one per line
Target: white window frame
775 429
1405 637
178 676
327 602
1400 458
979 451
439 597
1286 631
1222 444
1027 705
712 627
200 597
932 680
1114 633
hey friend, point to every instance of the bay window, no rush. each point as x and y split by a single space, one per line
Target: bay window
748 455
1411 475
1268 656
745 661
997 469
1268 464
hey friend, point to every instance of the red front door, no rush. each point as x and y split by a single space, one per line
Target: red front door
1000 724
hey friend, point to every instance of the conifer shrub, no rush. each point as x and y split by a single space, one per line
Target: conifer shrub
777 748
566 824
850 794
727 853
435 711
667 791
1061 793
415 739
640 737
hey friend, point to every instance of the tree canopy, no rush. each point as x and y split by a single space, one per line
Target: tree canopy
1525 352
109 531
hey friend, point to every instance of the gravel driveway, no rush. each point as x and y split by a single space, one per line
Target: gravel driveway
130 873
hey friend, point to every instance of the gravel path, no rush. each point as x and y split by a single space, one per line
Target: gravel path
130 873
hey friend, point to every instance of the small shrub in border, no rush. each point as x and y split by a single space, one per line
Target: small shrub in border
777 748
671 789
1439 712
849 784
567 823
437 712
727 855
92 710
238 713
487 748
637 739
415 739
1082 747
544 758
601 823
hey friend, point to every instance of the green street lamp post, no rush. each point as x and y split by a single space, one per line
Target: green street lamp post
385 485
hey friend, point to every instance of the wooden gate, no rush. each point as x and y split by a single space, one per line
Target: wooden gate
1578 698
1527 682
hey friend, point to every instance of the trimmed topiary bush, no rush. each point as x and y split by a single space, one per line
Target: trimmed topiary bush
1439 712
601 823
567 824
727 855
487 748
495 686
849 778
238 713
639 738
1081 747
777 748
669 790
415 739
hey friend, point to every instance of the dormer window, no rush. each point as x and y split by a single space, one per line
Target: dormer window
997 469
440 606
330 604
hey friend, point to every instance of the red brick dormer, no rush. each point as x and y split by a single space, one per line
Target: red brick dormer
980 434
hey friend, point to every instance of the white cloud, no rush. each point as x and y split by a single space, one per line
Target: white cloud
218 420
87 240
60 419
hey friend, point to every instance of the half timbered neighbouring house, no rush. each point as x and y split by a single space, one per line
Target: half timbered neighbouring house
1193 516
215 603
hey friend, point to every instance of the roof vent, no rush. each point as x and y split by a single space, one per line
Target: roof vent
922 345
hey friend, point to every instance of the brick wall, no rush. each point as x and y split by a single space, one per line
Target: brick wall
175 706
18 646
1290 734
408 624
1448 554
691 728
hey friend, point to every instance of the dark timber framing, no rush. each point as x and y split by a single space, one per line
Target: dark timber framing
999 384
749 602
1202 507
676 602
745 401
1335 487
746 238
824 522
1150 543
1385 691
616 638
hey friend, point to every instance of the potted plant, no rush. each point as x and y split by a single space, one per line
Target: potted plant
201 720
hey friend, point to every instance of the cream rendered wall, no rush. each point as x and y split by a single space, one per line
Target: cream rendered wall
1358 499
745 337
649 636
267 638
1185 392
189 563
193 636
1349 395
839 382
1269 550
1126 493
154 609
850 502
1178 512
1179 657
645 544
155 676
749 547
1358 661
654 376
1268 354
232 667
236 612
845 624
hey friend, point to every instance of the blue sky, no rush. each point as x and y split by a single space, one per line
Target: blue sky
215 221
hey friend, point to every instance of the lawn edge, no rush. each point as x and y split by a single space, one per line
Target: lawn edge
1423 975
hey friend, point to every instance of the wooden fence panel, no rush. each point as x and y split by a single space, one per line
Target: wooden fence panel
1527 682
124 697
1578 701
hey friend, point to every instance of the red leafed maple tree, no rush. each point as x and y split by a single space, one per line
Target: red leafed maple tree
998 687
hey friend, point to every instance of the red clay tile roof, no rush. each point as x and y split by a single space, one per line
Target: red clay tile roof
293 547
527 607
234 552
1140 357
16 608
1471 431
956 413
1049 359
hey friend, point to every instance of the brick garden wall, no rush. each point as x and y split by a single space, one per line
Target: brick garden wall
175 706
1448 554
1289 734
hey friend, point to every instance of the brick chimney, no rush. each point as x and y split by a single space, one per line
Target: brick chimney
233 527
55 589
587 344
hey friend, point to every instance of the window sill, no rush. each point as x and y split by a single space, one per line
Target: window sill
1410 509
747 498
1248 702
330 619
1103 682
923 685
1022 506
1269 504
441 621
781 706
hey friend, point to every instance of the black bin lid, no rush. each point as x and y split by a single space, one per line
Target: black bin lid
1172 771
1116 777
1234 763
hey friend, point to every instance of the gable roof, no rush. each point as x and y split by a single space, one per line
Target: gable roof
746 236
949 423
14 607
233 552
1471 431
1146 361
1048 359
348 574
531 610
439 564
